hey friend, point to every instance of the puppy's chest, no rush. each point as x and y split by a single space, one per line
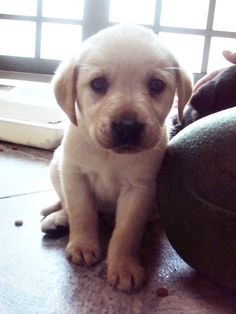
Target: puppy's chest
106 187
104 178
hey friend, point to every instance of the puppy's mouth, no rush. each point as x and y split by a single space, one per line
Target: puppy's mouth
127 149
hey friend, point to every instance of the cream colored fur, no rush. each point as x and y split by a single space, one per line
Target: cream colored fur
90 175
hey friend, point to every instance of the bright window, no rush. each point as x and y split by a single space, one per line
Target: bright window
225 15
17 43
59 41
190 57
184 13
37 34
25 7
69 9
216 61
132 11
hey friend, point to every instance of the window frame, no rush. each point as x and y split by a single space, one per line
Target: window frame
91 23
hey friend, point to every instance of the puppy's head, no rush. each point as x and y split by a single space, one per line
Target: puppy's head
121 86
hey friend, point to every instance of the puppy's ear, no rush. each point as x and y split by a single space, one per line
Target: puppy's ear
184 90
64 83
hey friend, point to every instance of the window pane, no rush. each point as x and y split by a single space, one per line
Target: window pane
25 7
18 38
132 11
184 13
190 55
59 40
225 15
216 59
64 8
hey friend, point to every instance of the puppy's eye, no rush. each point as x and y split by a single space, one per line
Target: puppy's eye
99 85
156 86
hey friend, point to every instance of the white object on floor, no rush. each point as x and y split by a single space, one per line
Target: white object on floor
29 114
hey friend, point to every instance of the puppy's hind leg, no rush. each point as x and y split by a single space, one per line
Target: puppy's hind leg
55 222
55 179
55 216
51 209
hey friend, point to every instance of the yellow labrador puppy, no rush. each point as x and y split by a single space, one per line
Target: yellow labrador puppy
117 93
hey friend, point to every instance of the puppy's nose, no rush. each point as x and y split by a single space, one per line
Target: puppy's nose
126 131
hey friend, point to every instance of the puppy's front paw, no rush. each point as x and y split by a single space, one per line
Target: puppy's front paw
83 253
126 274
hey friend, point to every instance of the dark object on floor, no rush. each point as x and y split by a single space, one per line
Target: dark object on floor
19 223
215 95
196 195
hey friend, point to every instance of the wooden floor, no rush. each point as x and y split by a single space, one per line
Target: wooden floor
35 276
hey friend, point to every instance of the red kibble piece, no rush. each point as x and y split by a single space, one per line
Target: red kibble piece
162 292
1 149
14 148
18 223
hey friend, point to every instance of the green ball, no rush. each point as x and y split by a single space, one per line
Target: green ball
197 195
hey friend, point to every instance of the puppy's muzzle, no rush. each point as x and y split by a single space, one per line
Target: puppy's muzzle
126 134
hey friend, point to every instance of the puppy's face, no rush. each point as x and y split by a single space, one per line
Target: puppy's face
124 96
124 84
